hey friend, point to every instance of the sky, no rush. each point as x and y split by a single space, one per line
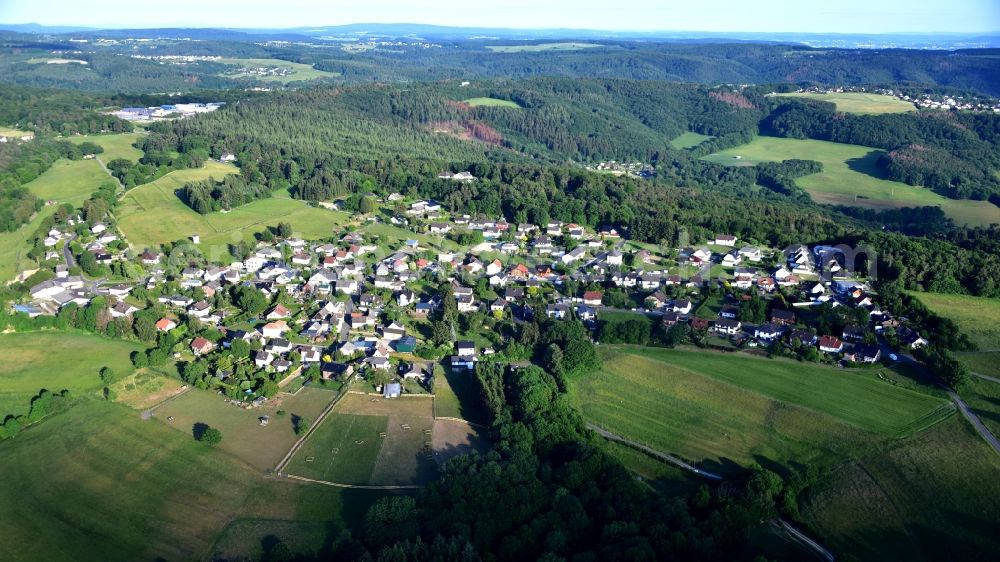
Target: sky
838 16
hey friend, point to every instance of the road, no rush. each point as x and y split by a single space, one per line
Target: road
658 454
68 255
108 172
801 537
975 421
985 377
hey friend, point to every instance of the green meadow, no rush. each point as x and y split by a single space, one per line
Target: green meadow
851 176
977 317
299 71
859 102
689 140
491 102
115 146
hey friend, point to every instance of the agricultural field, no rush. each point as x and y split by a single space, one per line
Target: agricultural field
55 361
298 71
859 102
542 47
129 489
14 246
402 457
343 449
115 146
851 176
69 181
146 388
977 317
242 434
856 397
12 132
491 102
689 140
152 214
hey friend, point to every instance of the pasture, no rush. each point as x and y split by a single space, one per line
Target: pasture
56 360
856 397
152 214
97 483
542 47
69 181
294 70
491 102
858 102
115 146
977 317
851 176
689 140
242 435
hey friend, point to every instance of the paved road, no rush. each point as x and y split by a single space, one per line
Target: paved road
108 172
658 454
68 255
801 537
986 377
975 421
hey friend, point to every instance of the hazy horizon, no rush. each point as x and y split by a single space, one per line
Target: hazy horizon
640 16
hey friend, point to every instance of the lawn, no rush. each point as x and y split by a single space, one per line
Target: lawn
859 102
689 140
115 146
541 47
242 435
851 176
299 71
98 483
56 360
343 449
491 102
857 397
152 214
977 317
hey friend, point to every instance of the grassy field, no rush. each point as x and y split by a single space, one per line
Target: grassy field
931 496
977 317
983 396
454 397
97 483
541 47
69 181
152 214
242 435
343 449
982 362
299 71
55 361
491 102
689 140
146 388
11 132
850 176
859 102
115 146
857 397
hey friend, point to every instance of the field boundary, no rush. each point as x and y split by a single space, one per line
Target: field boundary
298 444
658 454
356 486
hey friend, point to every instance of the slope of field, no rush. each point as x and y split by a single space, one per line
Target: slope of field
152 214
298 71
115 146
491 102
859 102
98 483
856 397
850 176
689 140
242 434
977 317
55 361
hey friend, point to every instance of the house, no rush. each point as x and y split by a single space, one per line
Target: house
464 363
279 312
406 344
165 325
830 344
439 228
121 309
227 157
768 332
379 363
274 329
494 267
201 346
732 259
649 281
200 309
671 318
729 312
574 255
698 323
513 294
393 331
405 298
750 253
656 300
262 359
557 311
681 306
782 317
728 326
465 348
336 370
413 371
862 353
586 313
150 258
853 333
725 240
593 298
910 338
392 390
802 337
498 305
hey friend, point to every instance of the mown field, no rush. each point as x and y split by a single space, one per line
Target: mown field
977 317
99 483
689 140
541 47
342 449
299 71
115 146
55 361
850 176
859 102
152 214
69 181
491 102
242 435
916 497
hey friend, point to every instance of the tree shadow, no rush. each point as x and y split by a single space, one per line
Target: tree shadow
198 430
867 164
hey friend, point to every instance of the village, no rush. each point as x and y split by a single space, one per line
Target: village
357 309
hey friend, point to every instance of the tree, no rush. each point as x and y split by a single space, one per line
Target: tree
366 205
554 359
107 375
269 389
283 230
208 434
249 299
440 332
